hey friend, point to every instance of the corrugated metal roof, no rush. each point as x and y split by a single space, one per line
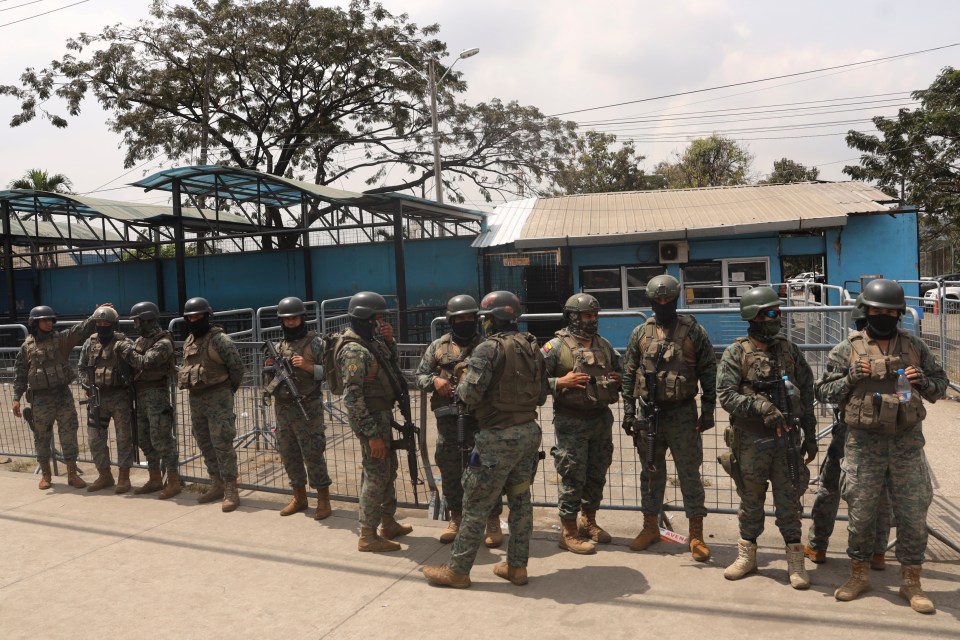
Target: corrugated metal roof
506 223
27 232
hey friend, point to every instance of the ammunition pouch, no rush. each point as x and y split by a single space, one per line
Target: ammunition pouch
728 460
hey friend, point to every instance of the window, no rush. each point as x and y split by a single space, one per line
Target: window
619 287
722 281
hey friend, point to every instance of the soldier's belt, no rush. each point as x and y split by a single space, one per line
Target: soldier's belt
448 410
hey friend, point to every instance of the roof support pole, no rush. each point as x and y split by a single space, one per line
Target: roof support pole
400 266
158 270
178 245
305 245
8 264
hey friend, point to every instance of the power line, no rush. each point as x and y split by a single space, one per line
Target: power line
21 5
7 24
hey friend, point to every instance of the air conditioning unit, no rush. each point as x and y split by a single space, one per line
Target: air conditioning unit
674 251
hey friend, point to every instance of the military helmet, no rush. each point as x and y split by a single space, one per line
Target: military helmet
106 314
502 305
582 302
291 307
197 305
663 287
144 311
364 305
42 312
883 294
858 313
756 300
461 305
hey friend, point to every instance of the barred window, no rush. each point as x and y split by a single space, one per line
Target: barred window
623 287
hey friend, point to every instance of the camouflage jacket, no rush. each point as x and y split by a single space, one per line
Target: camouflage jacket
69 338
355 361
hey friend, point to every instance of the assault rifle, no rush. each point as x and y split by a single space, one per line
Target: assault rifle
127 378
282 372
93 397
465 420
648 426
778 390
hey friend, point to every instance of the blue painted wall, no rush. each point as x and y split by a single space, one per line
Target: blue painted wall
77 290
23 284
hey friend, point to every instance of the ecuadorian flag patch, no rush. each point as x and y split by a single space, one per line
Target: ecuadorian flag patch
547 347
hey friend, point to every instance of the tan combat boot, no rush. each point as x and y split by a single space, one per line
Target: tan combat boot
817 556
155 483
516 575
73 476
588 527
231 497
370 541
648 535
390 528
444 576
878 562
46 475
172 487
104 480
857 583
698 548
298 502
745 563
570 538
796 568
453 526
215 492
123 481
493 536
323 504
911 590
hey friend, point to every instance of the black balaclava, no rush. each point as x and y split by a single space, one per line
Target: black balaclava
666 313
105 334
464 332
199 328
363 328
882 327
764 331
295 333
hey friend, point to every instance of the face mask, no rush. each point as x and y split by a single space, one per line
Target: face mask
199 328
464 331
882 326
146 327
295 333
765 331
105 334
589 329
363 328
666 313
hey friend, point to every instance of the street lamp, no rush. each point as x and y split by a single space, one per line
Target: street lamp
432 83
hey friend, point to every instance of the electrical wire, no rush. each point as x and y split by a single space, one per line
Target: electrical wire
7 24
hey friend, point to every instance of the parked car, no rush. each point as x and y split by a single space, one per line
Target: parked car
798 281
951 301
931 283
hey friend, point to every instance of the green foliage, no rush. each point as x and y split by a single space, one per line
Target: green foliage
40 180
715 161
786 171
149 253
594 167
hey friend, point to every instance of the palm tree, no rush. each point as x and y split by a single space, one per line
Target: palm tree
40 180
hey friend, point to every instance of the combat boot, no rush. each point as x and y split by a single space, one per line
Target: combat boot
123 481
588 527
453 526
104 480
298 502
155 483
172 487
370 541
444 576
648 535
857 583
231 497
390 528
745 563
493 536
570 538
46 475
73 476
215 492
323 504
795 567
516 575
878 561
911 590
698 548
817 556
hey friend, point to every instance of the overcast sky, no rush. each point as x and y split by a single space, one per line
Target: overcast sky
562 56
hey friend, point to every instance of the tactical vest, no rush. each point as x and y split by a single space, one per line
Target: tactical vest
306 385
597 362
447 353
378 392
764 366
873 403
676 374
514 392
47 368
202 367
159 374
103 362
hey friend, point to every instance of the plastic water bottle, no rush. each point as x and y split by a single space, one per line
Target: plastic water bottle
791 389
904 389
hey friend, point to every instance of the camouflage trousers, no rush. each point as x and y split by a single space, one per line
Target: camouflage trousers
677 430
214 428
507 460
872 460
450 463
378 492
114 404
156 428
302 443
582 456
823 514
49 406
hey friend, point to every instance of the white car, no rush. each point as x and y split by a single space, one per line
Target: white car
951 303
807 277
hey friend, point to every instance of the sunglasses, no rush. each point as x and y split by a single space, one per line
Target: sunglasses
772 313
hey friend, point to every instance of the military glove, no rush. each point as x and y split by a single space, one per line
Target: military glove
629 424
810 448
772 417
705 422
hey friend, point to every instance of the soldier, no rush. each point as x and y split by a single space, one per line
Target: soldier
101 367
503 383
884 436
675 350
368 361
301 441
213 372
42 371
435 374
152 358
764 356
583 371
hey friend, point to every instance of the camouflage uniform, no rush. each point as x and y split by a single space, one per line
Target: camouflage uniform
152 357
43 372
101 365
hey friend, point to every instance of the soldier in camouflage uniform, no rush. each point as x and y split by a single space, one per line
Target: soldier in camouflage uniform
102 367
503 383
884 437
764 356
583 371
301 441
42 371
676 350
369 396
435 374
212 371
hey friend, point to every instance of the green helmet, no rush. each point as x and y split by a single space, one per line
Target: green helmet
291 307
502 305
144 311
575 305
883 294
663 287
364 305
106 314
461 305
196 305
42 312
756 300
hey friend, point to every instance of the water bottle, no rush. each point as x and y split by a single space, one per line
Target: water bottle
904 389
791 390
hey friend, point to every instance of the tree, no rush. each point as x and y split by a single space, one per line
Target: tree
596 168
786 171
40 180
715 161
